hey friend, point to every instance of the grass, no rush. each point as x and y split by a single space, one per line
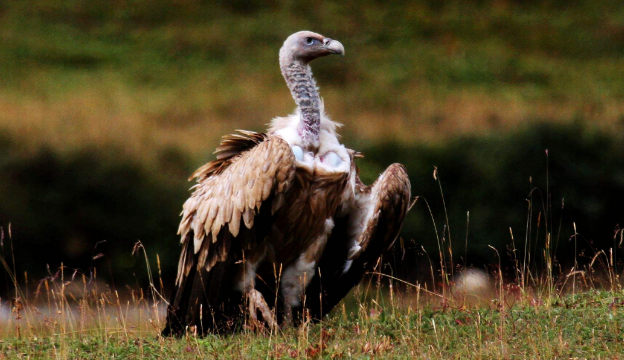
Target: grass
411 325
96 73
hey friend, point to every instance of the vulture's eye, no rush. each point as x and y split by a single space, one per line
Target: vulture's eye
309 41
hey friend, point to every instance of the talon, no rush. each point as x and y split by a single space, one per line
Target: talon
257 302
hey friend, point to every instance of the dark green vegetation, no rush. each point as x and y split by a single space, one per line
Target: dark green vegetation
64 205
586 326
69 208
542 181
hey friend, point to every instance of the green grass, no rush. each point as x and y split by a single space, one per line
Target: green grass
178 74
587 325
538 315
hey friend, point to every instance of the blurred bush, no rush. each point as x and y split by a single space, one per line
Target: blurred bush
70 209
61 206
571 175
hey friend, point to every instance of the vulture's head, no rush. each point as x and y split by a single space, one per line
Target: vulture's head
305 46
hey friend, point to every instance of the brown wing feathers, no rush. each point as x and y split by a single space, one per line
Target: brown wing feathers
230 147
391 193
390 197
249 168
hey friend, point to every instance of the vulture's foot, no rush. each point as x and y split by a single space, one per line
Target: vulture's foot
257 302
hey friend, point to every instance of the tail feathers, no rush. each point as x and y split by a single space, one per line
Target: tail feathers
202 301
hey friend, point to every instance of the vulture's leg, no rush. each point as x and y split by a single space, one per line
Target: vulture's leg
247 284
297 276
360 239
257 302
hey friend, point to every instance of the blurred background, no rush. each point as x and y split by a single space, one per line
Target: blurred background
106 108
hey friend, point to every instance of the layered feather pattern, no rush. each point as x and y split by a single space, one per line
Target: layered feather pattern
250 167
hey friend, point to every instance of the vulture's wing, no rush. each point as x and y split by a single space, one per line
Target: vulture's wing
243 186
231 191
359 239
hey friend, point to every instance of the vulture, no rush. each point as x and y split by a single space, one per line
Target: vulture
279 224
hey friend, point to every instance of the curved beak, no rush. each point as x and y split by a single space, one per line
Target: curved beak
333 46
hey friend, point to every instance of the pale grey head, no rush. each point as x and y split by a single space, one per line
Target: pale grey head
305 46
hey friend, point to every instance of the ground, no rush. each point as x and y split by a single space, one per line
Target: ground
589 325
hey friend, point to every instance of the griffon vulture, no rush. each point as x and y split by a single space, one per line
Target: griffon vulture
276 209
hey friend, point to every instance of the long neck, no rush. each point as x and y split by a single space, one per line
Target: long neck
303 88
